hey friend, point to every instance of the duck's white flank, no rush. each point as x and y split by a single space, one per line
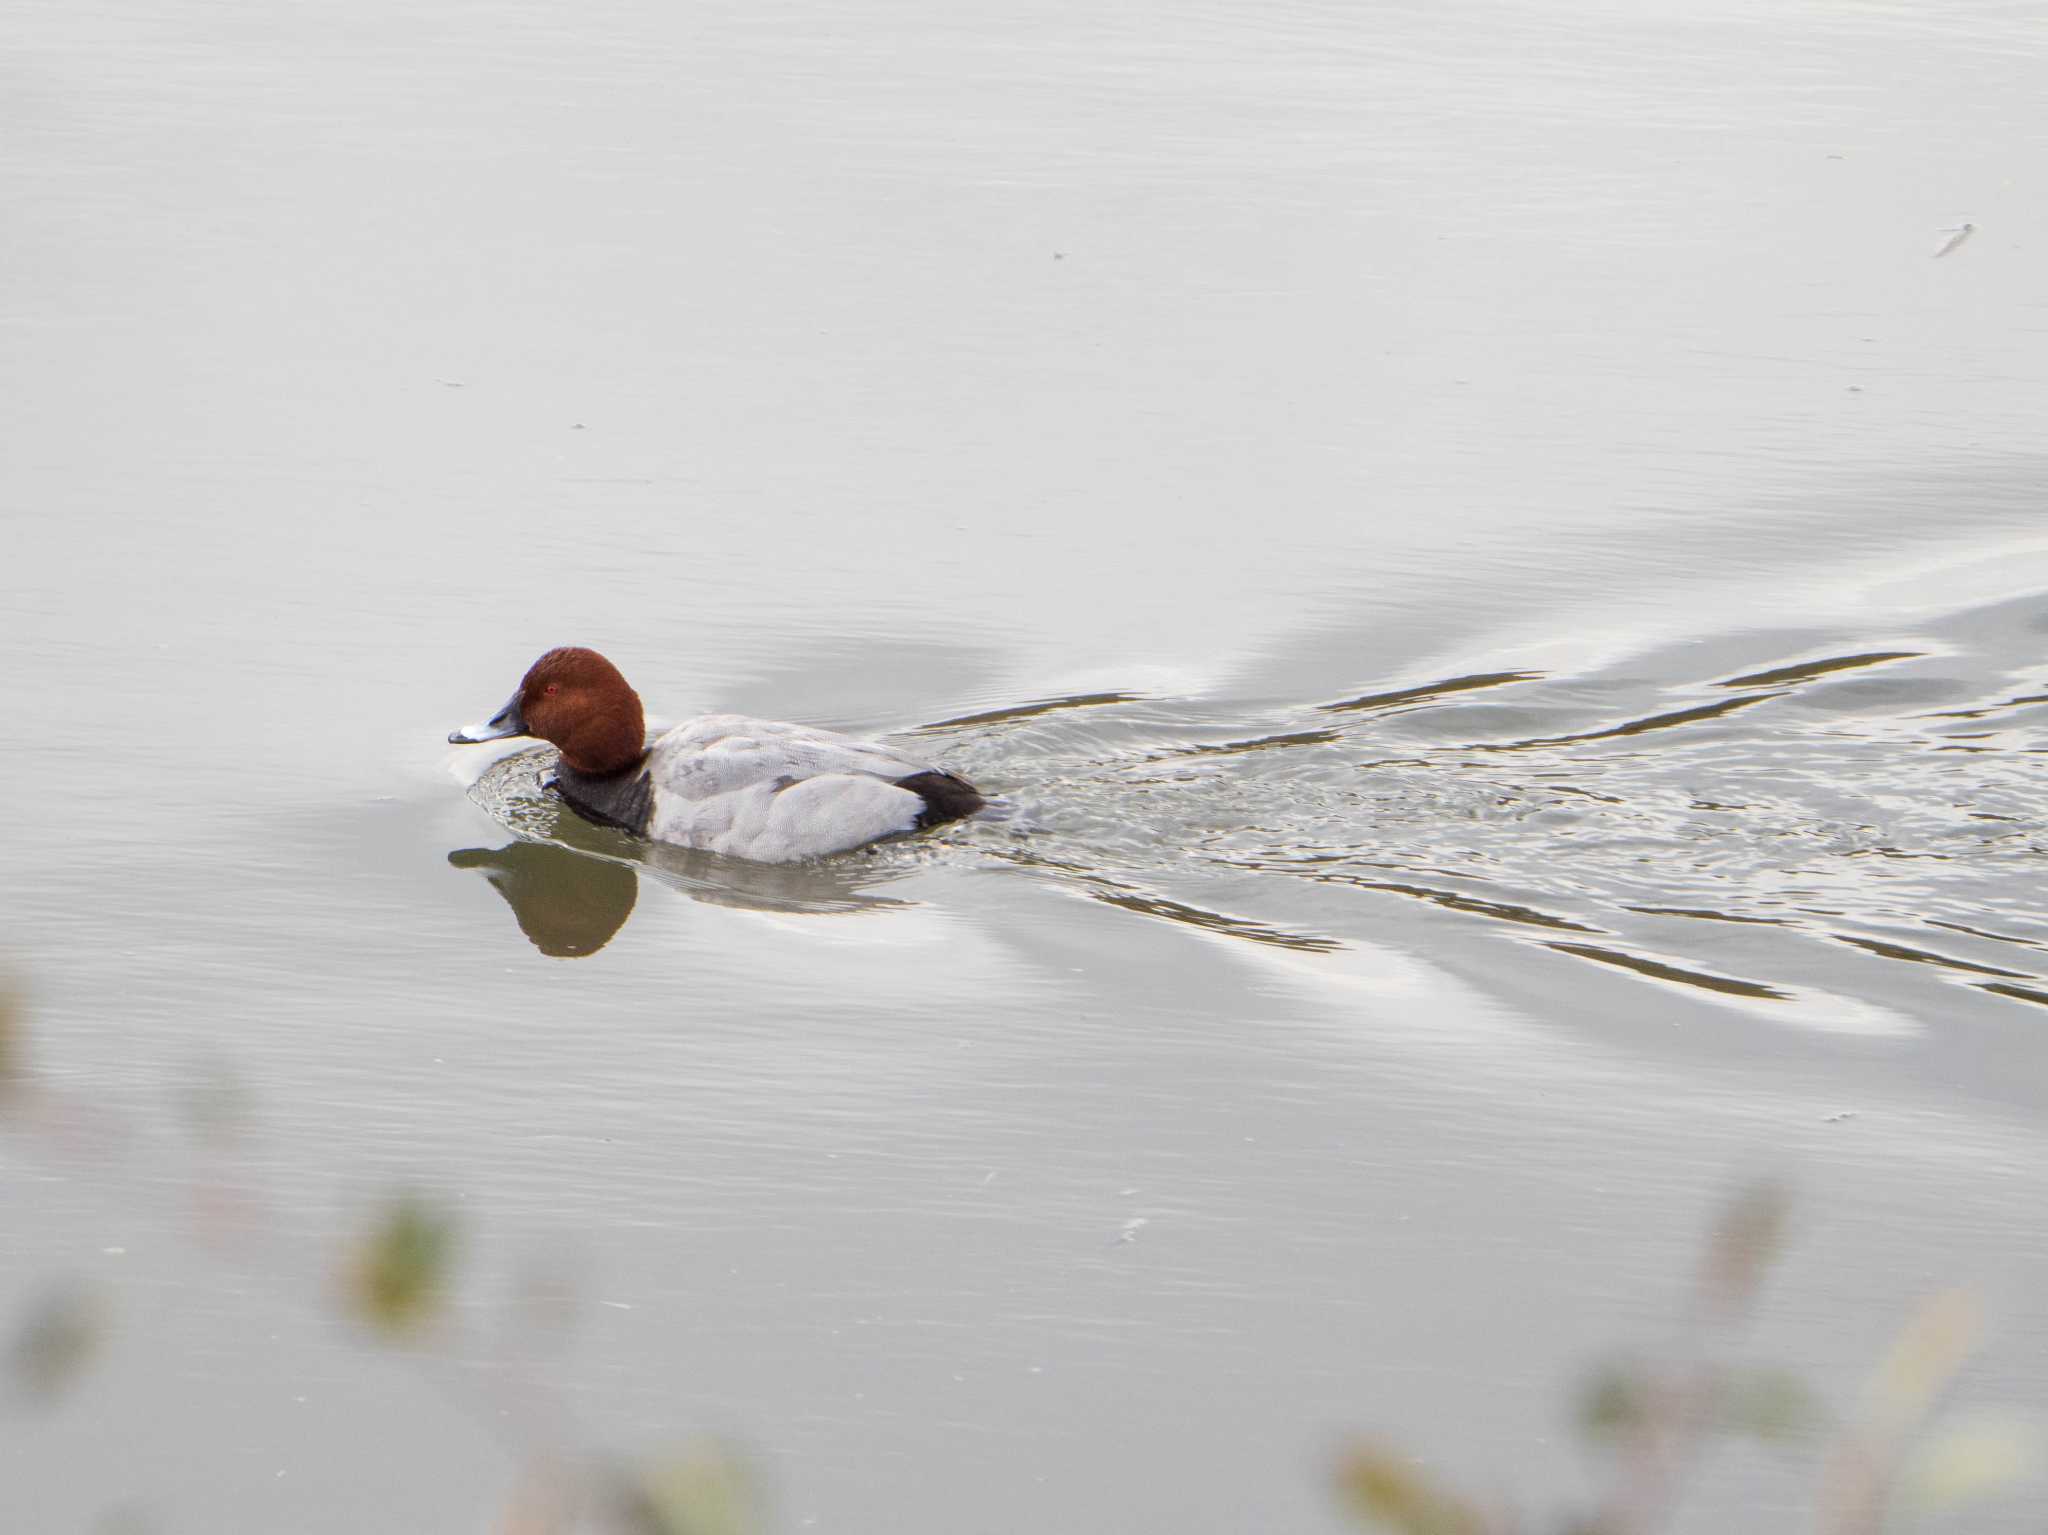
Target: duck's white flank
776 792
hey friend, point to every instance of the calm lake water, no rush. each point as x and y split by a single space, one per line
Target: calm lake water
1501 579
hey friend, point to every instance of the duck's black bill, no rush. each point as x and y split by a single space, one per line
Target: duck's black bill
508 721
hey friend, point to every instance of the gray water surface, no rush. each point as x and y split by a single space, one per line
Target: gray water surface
1499 577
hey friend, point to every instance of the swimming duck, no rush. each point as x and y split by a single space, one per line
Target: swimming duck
747 788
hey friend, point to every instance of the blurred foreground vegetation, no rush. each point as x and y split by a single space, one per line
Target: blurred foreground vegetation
1652 1419
1656 1419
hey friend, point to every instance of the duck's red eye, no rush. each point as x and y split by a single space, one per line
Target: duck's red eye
551 689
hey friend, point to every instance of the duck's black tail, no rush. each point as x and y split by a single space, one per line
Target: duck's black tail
947 796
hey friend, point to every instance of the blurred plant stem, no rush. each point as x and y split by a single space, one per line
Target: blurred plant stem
1930 1351
13 1047
1679 1403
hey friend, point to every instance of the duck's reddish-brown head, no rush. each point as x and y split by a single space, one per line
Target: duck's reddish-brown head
578 701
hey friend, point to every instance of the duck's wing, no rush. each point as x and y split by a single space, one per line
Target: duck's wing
775 792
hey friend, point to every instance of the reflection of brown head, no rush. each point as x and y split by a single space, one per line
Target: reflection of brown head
567 904
577 700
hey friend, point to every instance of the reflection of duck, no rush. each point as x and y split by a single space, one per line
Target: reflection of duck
746 788
567 904
803 889
570 902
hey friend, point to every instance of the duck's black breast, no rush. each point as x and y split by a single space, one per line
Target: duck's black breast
624 799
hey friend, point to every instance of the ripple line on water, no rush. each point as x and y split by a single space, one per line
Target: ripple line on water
1661 971
1806 671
